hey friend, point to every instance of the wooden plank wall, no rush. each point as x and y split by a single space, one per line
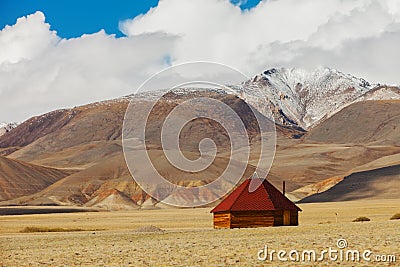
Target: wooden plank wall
248 219
278 217
294 217
222 220
244 219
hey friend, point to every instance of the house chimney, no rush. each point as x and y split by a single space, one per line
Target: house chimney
283 187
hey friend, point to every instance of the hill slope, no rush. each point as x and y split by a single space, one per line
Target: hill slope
94 183
19 178
375 184
368 122
93 132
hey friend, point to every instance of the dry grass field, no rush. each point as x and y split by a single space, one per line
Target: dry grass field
188 238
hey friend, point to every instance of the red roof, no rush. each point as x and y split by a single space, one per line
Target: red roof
265 197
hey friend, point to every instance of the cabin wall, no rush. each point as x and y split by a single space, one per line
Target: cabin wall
249 219
294 217
278 217
222 220
279 221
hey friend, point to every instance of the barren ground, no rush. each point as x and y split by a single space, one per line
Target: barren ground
112 239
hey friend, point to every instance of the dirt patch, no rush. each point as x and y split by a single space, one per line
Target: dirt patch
149 229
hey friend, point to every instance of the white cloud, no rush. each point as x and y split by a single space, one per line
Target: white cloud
28 38
363 42
292 33
40 71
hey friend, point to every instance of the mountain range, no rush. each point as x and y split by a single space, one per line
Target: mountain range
304 99
334 132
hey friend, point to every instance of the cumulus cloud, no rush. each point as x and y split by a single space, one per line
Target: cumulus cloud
220 31
40 71
292 33
28 38
363 42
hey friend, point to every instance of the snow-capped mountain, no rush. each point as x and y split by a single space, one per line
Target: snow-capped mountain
297 97
6 127
301 98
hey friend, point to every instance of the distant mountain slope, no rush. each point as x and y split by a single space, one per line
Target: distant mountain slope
306 164
19 178
369 122
62 129
82 136
113 200
92 185
374 184
319 187
381 92
82 186
36 127
305 98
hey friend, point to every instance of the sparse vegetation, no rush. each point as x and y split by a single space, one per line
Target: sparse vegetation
36 229
362 219
149 229
395 217
327 222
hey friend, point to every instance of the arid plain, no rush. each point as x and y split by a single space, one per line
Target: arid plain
185 237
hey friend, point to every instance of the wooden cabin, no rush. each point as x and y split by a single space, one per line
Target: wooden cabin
265 206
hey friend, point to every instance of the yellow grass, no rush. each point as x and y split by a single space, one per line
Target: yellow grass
189 238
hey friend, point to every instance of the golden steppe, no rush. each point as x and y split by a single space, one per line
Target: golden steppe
188 239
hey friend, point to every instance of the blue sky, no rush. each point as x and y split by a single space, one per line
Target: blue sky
72 18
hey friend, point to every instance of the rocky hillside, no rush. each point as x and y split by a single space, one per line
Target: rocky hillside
304 99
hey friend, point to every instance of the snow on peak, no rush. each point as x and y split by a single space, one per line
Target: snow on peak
6 127
302 97
297 97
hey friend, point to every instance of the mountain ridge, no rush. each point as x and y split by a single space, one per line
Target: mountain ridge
302 98
88 138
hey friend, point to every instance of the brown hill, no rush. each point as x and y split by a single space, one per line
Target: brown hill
19 178
368 122
89 138
319 187
82 136
91 184
82 186
380 183
69 138
303 163
113 200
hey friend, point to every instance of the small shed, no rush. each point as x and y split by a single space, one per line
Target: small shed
265 206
